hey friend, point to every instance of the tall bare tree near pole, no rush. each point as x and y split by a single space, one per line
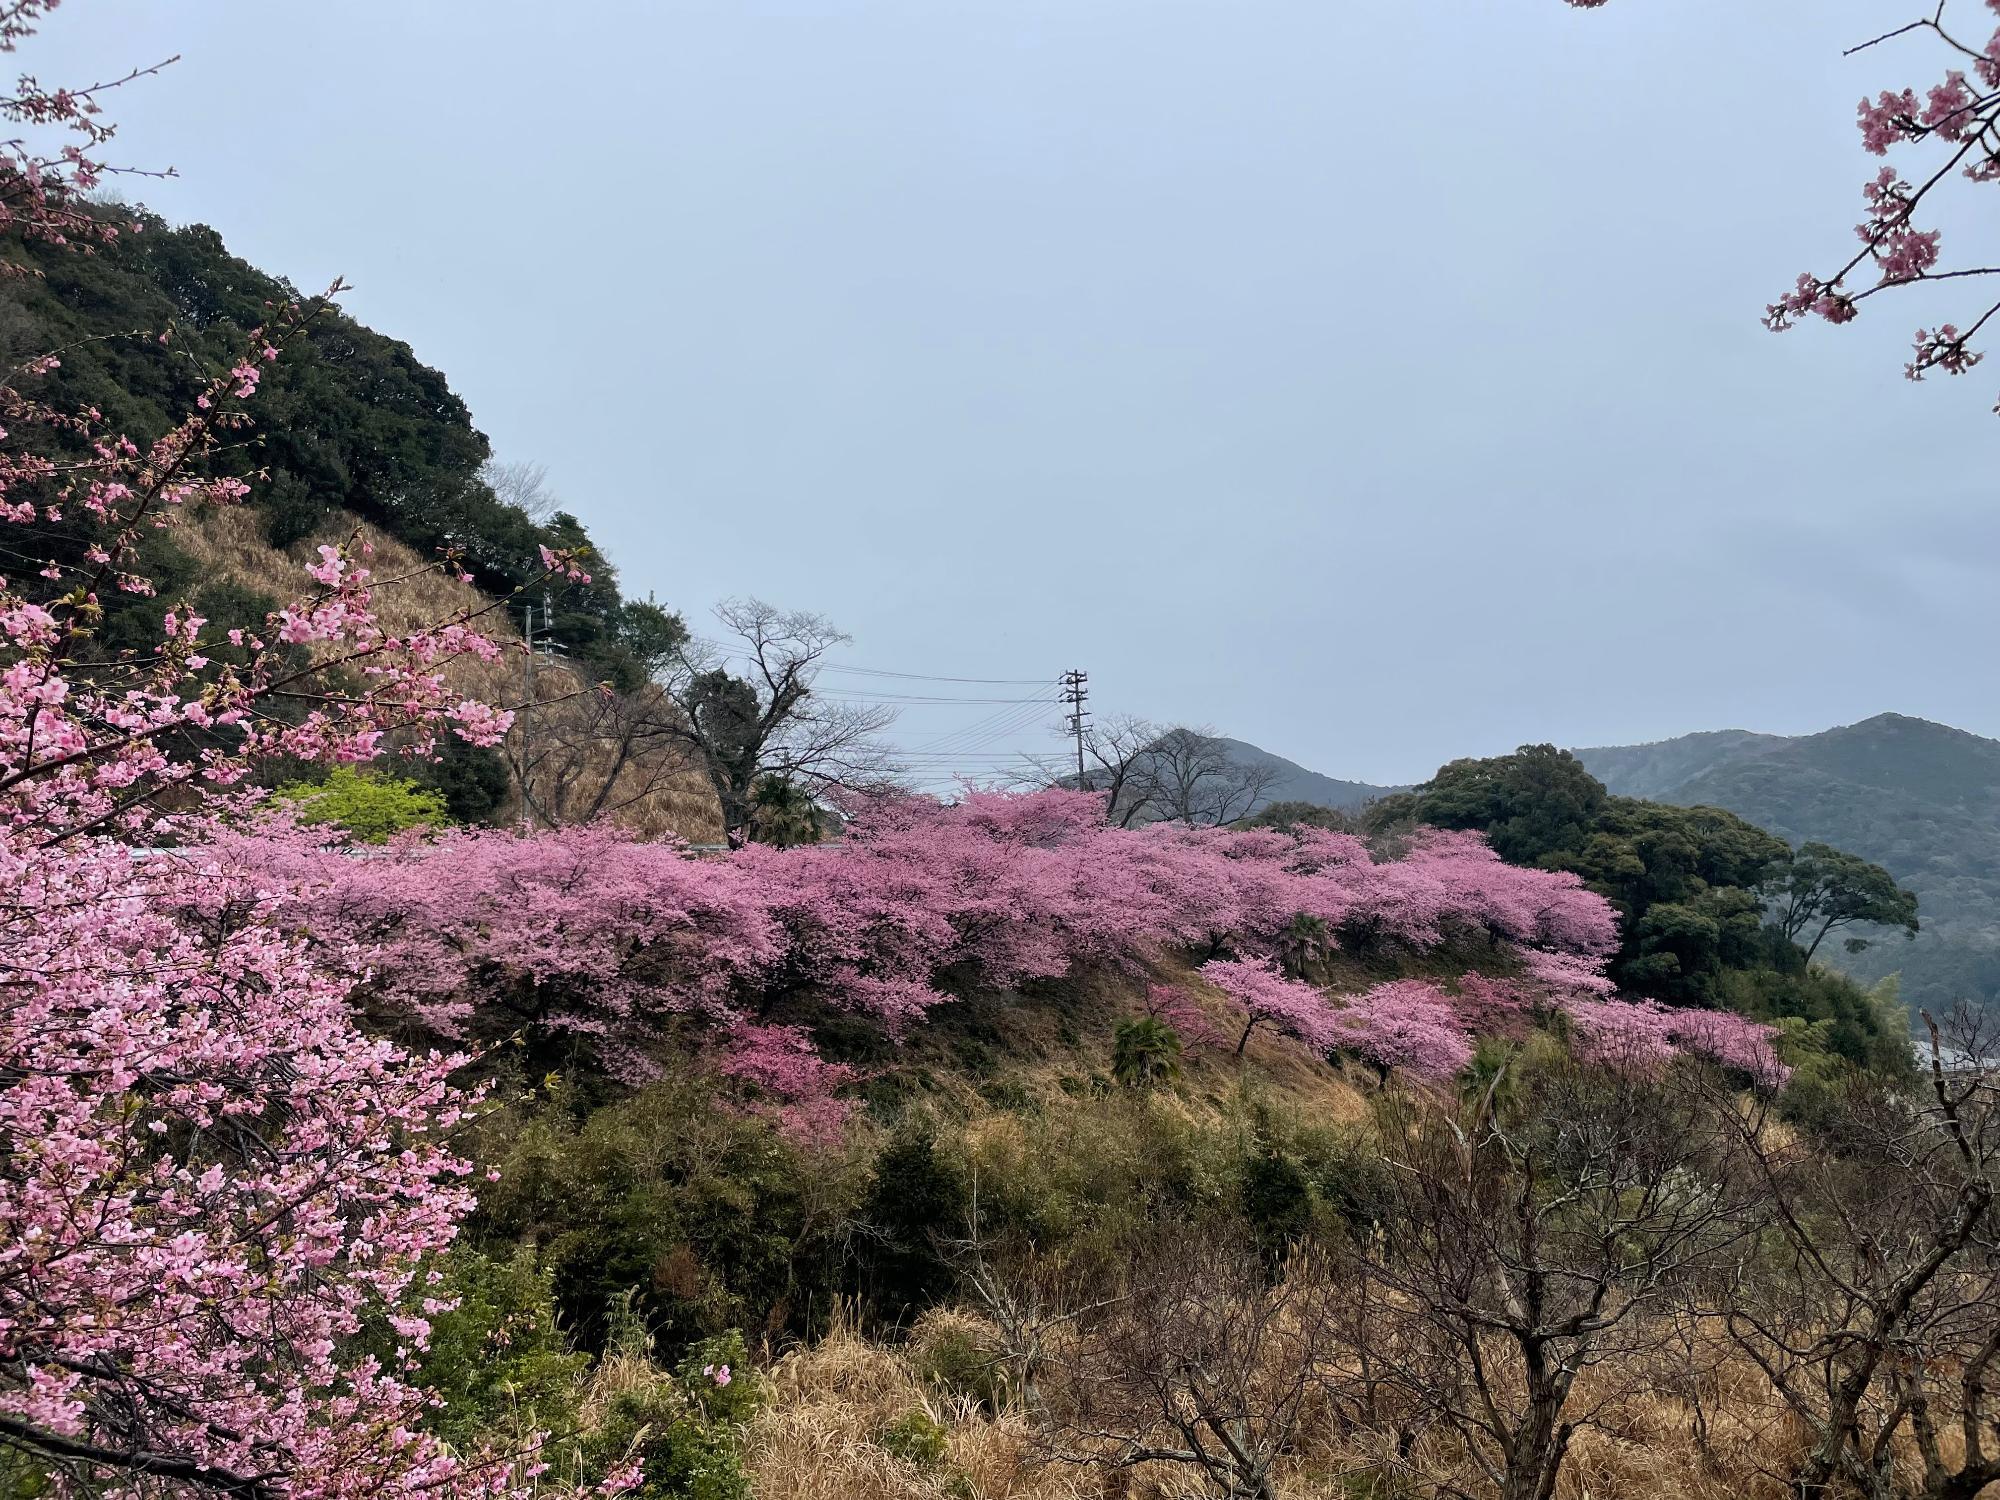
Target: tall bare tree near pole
765 719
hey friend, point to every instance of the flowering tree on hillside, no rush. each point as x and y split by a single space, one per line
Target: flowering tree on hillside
602 950
212 1177
1268 998
1956 116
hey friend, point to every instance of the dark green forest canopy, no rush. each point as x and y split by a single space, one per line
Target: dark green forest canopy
1694 887
348 419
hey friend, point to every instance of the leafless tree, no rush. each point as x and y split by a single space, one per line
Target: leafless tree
1873 1302
1213 1364
522 484
1118 753
1032 1300
749 709
595 752
1194 780
1525 1238
1152 773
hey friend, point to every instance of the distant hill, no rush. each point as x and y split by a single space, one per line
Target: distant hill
1921 799
1294 783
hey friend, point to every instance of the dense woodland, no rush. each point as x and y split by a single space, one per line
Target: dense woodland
369 1128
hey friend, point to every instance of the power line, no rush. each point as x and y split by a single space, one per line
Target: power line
981 735
929 677
897 699
985 729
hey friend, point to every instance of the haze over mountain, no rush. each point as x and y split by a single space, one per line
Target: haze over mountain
1292 782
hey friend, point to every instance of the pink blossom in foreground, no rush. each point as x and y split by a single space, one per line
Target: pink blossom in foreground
1958 119
214 1178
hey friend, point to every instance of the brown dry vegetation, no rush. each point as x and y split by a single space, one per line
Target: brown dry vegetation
823 1438
651 798
1675 1411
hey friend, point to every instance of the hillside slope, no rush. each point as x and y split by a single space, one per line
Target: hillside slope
1921 799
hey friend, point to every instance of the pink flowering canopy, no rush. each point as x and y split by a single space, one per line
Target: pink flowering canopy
629 951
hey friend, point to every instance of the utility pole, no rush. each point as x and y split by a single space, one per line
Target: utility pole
528 657
1075 691
522 719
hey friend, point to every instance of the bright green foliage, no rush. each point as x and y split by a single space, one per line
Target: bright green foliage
686 1429
1146 1053
498 1359
372 808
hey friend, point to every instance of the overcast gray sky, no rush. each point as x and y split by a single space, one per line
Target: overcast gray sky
1377 380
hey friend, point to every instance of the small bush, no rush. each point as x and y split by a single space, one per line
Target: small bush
686 1430
916 1438
950 1351
919 1198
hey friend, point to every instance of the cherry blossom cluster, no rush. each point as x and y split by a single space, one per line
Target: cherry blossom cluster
1958 117
595 935
214 1178
1427 1032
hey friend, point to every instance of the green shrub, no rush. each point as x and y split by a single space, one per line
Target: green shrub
1279 1202
371 808
685 1429
499 1359
916 1438
718 1374
919 1198
949 1351
684 1457
717 1219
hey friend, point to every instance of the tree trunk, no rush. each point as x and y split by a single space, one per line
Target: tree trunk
1540 1441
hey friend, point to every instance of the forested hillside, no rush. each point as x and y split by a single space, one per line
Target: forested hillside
1921 799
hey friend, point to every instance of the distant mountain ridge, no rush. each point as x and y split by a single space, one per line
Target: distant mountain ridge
1292 782
1919 798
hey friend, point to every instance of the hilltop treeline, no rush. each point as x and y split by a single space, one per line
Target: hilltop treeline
350 421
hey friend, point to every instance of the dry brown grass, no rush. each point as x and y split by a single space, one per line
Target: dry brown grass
820 1437
230 543
819 1440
